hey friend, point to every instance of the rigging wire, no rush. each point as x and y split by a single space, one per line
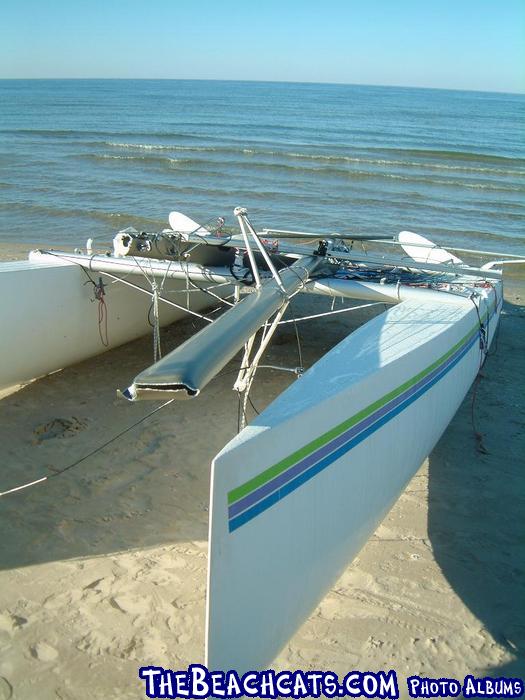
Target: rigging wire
331 312
484 339
197 287
252 405
59 472
298 339
123 280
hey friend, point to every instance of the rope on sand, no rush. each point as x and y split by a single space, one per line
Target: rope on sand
59 472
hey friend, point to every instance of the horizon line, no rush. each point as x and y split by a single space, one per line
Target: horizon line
285 82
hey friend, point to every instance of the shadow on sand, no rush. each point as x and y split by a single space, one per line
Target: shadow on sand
151 486
476 510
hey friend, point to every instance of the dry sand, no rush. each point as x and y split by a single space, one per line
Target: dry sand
103 569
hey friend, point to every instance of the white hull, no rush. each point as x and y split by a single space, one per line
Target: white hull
298 492
49 319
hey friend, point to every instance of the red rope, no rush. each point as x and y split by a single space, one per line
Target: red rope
102 315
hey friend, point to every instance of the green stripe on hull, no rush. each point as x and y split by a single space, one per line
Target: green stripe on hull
276 469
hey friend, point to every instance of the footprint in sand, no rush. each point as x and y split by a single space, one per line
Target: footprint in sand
6 689
44 652
11 623
58 428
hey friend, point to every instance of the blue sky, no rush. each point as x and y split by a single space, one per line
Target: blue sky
461 44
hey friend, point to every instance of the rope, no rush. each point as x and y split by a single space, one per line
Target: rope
163 299
484 352
99 294
245 377
483 334
103 321
495 339
59 472
157 352
123 280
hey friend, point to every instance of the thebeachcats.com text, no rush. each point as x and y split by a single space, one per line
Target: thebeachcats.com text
199 682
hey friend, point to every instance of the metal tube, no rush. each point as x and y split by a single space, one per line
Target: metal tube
185 371
283 233
262 249
387 293
239 213
127 266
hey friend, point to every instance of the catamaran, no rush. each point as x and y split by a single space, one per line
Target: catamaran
298 491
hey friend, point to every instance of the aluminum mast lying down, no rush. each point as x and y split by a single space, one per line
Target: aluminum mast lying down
193 364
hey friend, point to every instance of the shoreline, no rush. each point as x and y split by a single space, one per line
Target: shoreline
104 567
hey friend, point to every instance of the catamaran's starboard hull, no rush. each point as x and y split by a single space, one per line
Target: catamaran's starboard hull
298 492
49 319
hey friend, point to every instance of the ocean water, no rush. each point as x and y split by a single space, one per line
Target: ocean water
83 158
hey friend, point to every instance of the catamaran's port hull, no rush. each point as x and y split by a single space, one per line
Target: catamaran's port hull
299 491
49 318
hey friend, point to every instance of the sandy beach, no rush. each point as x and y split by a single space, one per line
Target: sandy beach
103 568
